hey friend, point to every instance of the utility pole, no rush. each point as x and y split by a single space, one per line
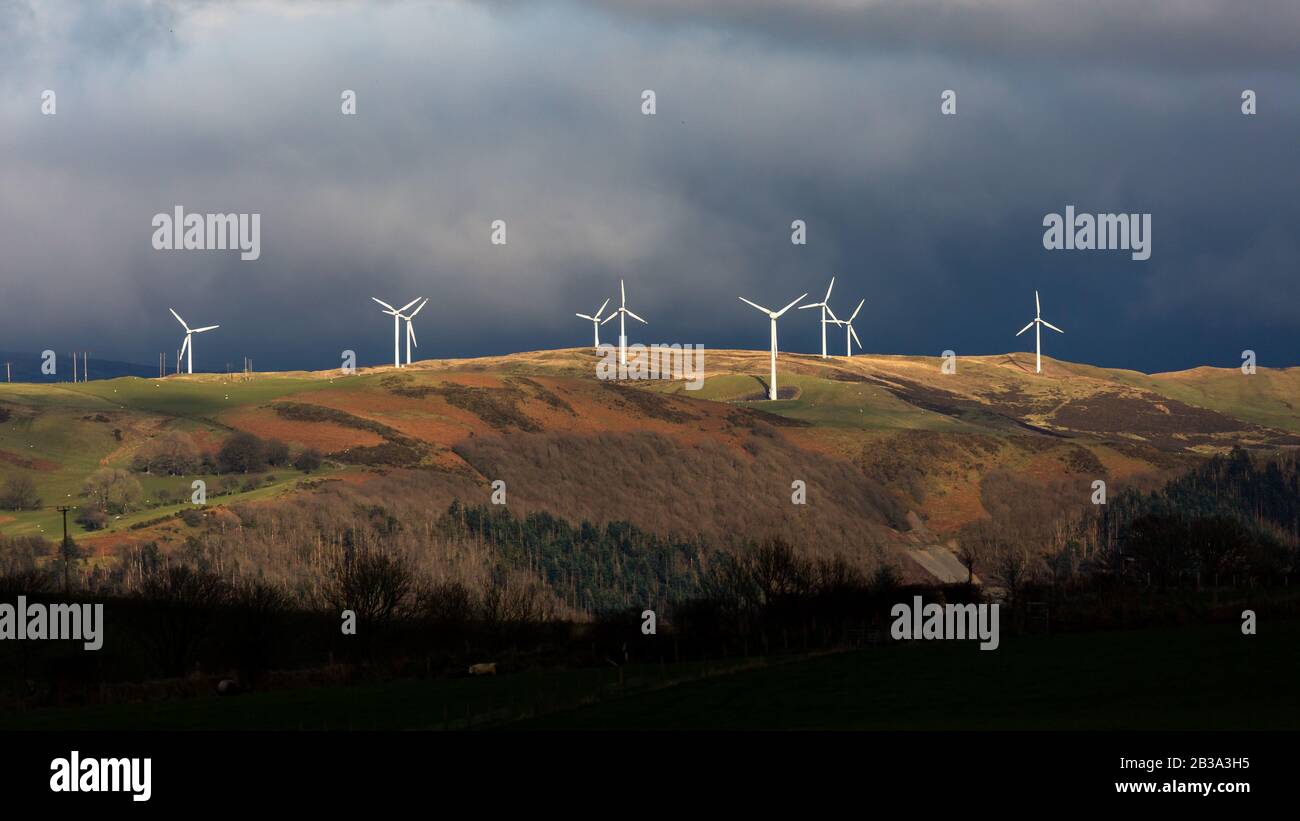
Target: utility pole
85 366
74 367
64 550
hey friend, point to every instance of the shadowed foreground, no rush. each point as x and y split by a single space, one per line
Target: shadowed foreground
1181 678
1169 679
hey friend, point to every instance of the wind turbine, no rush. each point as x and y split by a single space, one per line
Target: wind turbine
621 312
825 306
773 315
187 347
1037 324
410 330
850 335
397 327
595 322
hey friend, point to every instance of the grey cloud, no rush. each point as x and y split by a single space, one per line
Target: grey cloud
530 113
1192 35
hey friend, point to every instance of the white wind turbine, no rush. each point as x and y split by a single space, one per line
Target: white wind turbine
825 306
1037 324
410 329
187 347
850 335
397 327
773 315
595 321
621 312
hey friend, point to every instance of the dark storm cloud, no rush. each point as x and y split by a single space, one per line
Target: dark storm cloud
1193 34
530 113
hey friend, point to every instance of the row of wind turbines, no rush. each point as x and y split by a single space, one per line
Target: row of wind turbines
622 312
398 314
827 318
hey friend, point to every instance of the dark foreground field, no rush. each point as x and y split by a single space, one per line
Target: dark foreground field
1205 677
1169 679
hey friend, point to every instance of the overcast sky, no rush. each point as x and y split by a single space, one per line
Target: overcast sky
822 110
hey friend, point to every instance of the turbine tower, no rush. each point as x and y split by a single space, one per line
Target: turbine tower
621 312
187 347
825 306
397 327
410 330
774 316
850 335
595 322
1037 324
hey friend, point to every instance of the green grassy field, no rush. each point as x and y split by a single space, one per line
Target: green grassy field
197 399
70 448
822 402
1205 677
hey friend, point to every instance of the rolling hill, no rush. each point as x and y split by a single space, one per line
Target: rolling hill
896 456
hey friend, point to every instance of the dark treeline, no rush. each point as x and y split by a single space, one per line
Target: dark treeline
595 568
1233 519
1231 522
257 592
180 629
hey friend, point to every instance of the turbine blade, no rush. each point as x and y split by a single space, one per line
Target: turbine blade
622 292
178 319
409 304
602 308
634 316
814 305
859 308
417 310
854 334
1053 327
584 316
834 318
608 318
376 299
185 345
208 328
1022 330
827 298
754 304
791 305
1038 308
410 331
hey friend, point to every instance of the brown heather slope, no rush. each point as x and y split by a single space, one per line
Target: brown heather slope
873 438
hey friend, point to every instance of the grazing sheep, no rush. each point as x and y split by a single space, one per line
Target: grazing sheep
483 669
228 687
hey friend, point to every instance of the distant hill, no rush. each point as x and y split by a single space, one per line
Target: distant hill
26 367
